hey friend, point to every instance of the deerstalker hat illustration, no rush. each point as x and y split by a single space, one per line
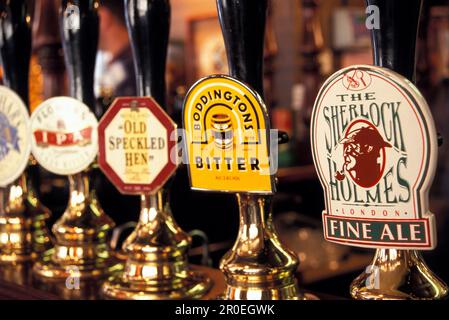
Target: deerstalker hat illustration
366 135
361 149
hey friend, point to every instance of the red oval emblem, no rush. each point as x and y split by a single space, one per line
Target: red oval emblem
364 154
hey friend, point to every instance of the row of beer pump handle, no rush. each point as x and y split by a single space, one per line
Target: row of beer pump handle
373 139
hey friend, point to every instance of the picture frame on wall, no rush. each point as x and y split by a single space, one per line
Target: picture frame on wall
205 49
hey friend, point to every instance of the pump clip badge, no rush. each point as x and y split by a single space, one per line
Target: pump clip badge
227 137
375 151
15 142
64 135
137 145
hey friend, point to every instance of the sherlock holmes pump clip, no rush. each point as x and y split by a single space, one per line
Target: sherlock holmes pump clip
375 151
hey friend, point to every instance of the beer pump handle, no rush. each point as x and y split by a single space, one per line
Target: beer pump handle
79 35
394 38
394 42
148 24
243 25
15 46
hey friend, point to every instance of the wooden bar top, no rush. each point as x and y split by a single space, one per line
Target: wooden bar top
18 283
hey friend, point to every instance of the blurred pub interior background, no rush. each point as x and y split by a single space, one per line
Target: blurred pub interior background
306 41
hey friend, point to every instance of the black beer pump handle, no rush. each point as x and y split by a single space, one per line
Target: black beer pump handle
148 24
15 45
243 26
79 35
394 39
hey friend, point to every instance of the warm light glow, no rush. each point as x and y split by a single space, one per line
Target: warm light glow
148 214
253 231
131 269
152 214
4 238
74 272
79 252
254 295
14 238
62 251
393 254
14 220
76 198
149 271
15 193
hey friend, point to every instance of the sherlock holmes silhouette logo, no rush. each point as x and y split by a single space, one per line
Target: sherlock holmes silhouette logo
363 153
374 148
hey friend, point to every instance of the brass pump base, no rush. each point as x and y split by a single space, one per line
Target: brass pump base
82 245
24 235
156 266
258 292
398 275
51 266
184 285
258 267
15 238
